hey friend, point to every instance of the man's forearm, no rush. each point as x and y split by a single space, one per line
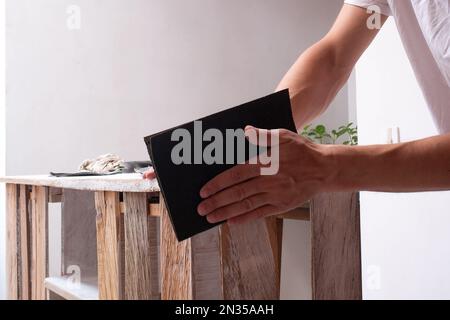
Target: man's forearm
313 82
322 70
422 165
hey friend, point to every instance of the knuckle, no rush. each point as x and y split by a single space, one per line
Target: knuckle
247 204
240 193
284 133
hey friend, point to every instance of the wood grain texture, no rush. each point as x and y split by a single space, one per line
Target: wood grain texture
249 264
39 248
275 233
12 241
127 182
140 232
55 195
206 266
108 244
176 262
336 246
296 214
25 243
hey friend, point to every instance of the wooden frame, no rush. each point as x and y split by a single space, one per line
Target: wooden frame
138 256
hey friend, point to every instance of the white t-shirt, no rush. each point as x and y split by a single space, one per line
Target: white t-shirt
424 27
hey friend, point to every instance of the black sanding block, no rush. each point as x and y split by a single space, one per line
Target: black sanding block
180 184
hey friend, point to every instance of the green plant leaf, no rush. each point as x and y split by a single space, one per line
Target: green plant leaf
321 129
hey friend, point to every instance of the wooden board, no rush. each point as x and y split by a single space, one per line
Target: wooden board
63 287
336 246
108 245
207 266
275 233
12 242
25 243
39 248
176 262
249 263
140 249
128 182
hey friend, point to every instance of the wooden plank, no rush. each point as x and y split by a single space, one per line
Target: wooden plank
24 197
63 287
336 246
153 209
139 230
127 182
12 242
275 232
249 264
108 244
296 214
55 195
39 262
206 266
176 262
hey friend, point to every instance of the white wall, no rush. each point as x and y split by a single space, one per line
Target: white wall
2 150
405 237
136 67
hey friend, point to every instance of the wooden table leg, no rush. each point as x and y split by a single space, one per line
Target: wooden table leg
39 241
237 262
25 242
11 241
176 262
108 245
141 263
336 246
250 261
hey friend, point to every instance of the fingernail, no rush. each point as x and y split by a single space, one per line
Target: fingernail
204 193
201 209
211 219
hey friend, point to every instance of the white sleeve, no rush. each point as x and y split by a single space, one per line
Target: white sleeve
382 4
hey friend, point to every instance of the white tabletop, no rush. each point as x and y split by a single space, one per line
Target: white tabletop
127 182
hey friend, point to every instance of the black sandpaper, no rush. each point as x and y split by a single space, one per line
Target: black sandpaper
180 184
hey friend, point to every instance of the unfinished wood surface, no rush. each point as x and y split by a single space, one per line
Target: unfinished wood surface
275 232
127 182
300 213
336 246
206 266
140 240
78 233
249 264
176 262
55 195
108 244
39 247
25 242
152 209
12 241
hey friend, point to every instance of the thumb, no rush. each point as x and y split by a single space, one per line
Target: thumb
262 137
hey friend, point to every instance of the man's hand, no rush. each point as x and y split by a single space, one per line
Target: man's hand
241 193
149 174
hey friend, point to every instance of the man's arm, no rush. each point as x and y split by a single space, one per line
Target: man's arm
241 194
322 70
